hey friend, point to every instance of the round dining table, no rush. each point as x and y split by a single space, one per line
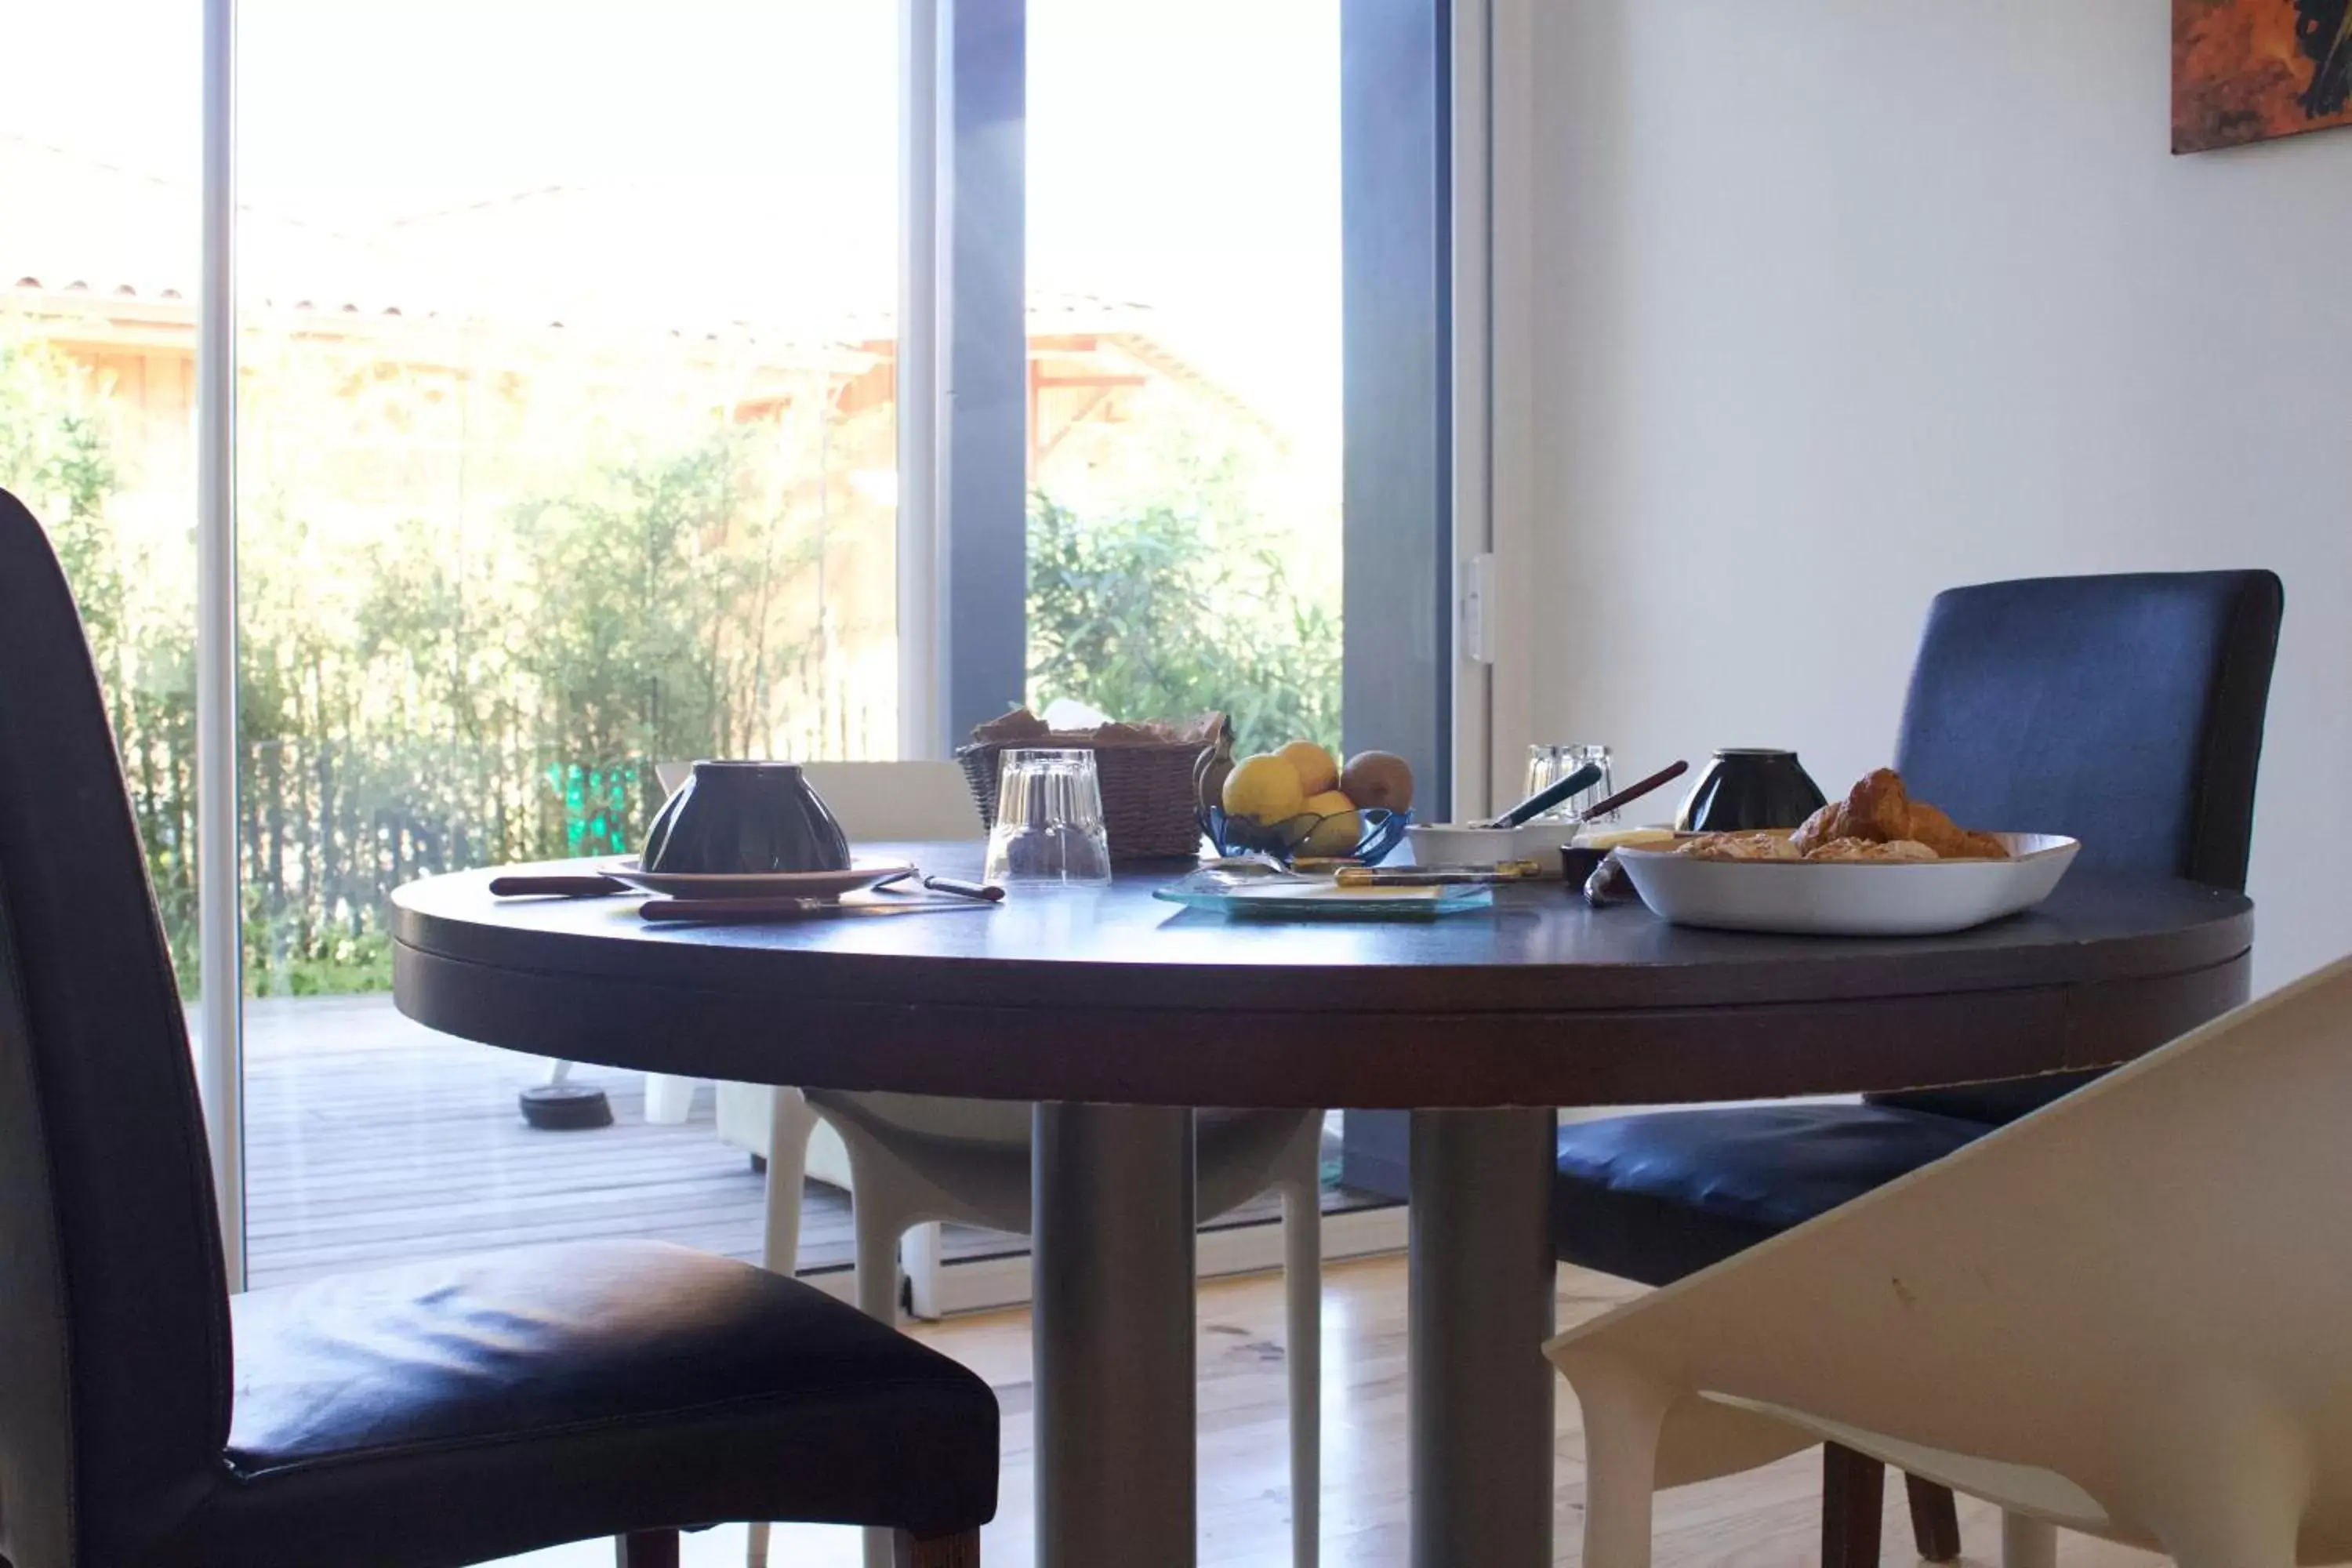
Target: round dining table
1117 1015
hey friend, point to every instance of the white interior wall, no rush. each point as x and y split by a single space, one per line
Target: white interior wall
1837 302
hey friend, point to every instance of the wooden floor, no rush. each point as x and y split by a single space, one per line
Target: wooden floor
1767 1516
371 1140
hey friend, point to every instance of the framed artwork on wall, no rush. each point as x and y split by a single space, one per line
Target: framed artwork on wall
2249 71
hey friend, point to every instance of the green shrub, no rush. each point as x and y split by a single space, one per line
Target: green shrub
1165 611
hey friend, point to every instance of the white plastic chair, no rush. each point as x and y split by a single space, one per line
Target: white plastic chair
2125 1314
915 1161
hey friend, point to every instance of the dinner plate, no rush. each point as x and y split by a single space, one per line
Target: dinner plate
754 885
1849 898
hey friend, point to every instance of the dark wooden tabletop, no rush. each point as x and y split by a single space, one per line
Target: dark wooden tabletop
1112 996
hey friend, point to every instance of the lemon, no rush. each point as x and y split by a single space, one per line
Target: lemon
1340 831
1318 770
1264 788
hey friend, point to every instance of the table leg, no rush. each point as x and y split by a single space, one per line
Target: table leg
1113 1331
1479 1308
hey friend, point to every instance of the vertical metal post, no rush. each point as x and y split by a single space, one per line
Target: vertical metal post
920 728
983 408
219 912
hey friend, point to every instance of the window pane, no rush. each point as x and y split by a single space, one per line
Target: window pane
99 258
565 447
1184 361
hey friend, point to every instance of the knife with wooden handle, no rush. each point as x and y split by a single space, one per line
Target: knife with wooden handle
588 887
769 911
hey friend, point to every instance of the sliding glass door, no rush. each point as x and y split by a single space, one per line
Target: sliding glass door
1185 549
99 194
565 447
566 348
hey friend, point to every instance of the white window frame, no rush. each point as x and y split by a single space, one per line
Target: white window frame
1492 398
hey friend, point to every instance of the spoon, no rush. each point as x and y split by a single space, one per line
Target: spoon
1544 799
987 892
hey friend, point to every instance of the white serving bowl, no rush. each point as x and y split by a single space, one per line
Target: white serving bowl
1449 846
1849 898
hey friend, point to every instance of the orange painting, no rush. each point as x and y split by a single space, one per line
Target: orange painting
2247 70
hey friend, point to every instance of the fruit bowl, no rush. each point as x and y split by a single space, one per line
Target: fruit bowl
1381 832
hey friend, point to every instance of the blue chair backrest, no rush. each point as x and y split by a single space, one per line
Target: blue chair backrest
2126 711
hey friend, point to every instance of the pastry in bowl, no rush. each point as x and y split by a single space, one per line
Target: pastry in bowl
1880 811
1864 849
1739 847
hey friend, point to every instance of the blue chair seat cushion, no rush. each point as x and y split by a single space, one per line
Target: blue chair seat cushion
1655 1197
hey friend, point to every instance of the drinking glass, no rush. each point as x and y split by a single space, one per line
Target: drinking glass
1049 822
1547 765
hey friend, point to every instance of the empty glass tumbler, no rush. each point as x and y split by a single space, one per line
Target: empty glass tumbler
1049 822
1547 765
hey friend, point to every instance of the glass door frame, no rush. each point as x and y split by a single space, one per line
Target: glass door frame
220 1056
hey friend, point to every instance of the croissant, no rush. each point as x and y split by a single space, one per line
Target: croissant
1875 810
1948 838
1880 811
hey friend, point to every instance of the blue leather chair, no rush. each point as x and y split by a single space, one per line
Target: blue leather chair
422 1417
2125 711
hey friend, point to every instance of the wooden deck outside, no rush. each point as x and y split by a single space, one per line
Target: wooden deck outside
371 1139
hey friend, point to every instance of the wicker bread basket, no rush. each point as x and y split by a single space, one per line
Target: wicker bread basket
1149 809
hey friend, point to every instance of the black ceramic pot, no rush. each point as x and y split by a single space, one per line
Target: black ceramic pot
1743 789
744 819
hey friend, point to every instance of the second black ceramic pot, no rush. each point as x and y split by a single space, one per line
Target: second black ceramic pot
1744 789
740 819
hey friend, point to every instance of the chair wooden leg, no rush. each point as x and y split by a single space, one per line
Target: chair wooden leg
1934 1519
1853 1496
647 1549
936 1552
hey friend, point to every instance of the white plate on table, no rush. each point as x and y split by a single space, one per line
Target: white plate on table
1851 897
754 885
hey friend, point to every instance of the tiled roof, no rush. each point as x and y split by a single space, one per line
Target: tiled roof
587 261
559 255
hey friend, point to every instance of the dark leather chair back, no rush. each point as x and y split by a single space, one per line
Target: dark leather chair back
114 1341
2126 711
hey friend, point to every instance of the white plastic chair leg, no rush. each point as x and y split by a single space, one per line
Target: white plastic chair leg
1302 1262
670 1099
790 1122
2027 1542
878 1264
879 1230
920 1254
1623 1419
558 1072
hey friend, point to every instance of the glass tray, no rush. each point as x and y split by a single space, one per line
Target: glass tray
1265 892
